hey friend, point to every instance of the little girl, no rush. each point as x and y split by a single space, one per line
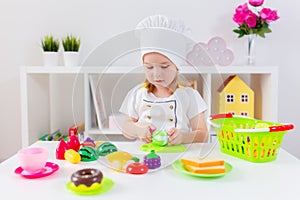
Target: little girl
162 103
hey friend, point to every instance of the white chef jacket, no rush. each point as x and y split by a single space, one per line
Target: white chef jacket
164 113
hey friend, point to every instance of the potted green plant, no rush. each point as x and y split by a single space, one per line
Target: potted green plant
71 45
50 46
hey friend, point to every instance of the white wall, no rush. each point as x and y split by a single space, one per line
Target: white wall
23 23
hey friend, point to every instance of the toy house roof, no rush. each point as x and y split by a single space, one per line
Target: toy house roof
225 83
228 80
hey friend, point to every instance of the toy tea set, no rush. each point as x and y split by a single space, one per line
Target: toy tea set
33 163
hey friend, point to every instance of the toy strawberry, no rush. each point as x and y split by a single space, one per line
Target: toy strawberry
61 149
73 143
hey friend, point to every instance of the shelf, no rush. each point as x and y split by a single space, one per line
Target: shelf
81 70
48 95
96 131
135 69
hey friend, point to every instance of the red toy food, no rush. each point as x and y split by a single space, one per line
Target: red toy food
61 149
73 143
137 167
76 129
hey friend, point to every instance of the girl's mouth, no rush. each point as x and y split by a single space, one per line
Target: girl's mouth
158 81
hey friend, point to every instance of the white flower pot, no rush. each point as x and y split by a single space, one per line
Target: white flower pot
50 58
71 58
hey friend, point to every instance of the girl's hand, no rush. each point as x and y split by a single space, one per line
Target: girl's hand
175 136
146 130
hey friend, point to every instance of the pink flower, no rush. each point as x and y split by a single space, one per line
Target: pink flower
240 14
242 8
256 2
251 19
239 18
268 15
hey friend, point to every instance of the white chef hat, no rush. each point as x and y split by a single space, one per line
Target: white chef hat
160 34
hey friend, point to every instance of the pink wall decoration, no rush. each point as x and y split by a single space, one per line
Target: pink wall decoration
215 52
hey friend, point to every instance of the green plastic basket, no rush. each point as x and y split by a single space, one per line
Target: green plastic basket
248 138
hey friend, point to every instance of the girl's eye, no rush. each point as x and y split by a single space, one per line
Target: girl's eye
149 66
165 66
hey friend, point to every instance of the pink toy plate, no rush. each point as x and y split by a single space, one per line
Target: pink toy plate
49 168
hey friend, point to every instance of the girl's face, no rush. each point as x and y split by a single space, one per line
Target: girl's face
160 71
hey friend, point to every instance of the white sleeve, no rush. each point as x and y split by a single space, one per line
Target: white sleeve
129 105
196 105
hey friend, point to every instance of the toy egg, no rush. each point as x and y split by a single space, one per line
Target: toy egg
160 137
72 156
106 148
88 153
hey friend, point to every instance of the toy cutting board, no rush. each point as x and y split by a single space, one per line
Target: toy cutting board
164 149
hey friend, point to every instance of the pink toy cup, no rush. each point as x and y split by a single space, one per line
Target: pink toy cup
33 159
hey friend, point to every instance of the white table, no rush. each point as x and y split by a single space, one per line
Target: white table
278 179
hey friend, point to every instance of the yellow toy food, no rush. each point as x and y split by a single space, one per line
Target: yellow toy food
72 156
204 166
200 162
206 170
120 158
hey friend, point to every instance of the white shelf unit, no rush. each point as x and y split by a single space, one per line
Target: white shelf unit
43 107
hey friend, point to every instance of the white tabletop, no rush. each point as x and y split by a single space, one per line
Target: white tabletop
278 179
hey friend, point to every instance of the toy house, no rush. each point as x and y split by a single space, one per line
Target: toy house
236 97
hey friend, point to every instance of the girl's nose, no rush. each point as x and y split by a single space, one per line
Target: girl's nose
157 71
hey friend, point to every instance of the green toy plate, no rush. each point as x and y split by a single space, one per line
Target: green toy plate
106 185
163 149
178 166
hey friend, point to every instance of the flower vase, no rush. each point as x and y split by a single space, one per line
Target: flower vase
250 49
